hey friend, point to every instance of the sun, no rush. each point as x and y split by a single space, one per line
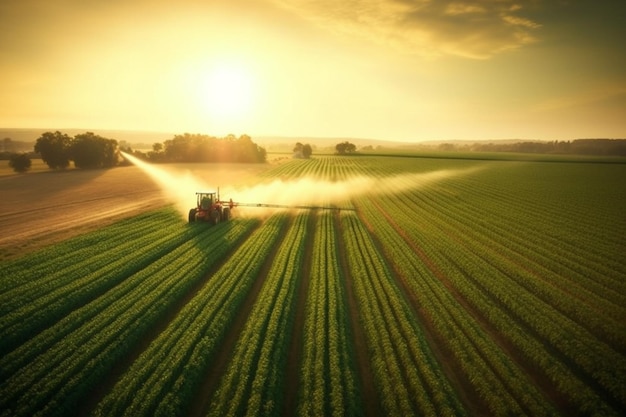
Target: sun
228 92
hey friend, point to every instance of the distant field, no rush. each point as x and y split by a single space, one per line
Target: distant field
444 287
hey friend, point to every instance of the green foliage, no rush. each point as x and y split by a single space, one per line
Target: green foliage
89 150
54 149
458 286
204 148
344 148
327 375
301 150
20 162
264 341
44 375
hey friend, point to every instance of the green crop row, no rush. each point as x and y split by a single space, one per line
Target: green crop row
162 380
327 381
454 257
69 358
253 382
525 263
408 376
457 286
502 385
39 309
28 278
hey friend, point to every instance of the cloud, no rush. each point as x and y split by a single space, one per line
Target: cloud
609 95
476 29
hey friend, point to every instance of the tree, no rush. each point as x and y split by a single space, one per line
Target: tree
297 150
204 148
302 151
345 148
20 162
54 149
89 150
307 151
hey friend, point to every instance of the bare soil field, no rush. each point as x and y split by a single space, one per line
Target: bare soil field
41 208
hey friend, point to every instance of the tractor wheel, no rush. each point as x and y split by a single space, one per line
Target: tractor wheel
226 214
192 215
215 217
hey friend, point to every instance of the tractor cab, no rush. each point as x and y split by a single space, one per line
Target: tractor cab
206 199
209 208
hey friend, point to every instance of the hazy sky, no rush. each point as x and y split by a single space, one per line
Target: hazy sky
387 69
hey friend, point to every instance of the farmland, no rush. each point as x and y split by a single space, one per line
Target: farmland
444 287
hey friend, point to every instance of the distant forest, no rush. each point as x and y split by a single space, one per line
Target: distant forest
600 147
194 147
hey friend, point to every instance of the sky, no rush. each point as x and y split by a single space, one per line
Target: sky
401 70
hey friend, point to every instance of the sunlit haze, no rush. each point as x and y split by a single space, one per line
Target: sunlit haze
179 188
397 70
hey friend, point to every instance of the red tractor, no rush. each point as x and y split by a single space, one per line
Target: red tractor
209 208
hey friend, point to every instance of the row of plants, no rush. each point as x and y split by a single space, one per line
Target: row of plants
49 374
253 384
524 260
458 236
55 262
164 378
475 286
327 376
39 306
407 375
501 384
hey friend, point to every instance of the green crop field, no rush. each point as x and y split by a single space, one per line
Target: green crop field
444 287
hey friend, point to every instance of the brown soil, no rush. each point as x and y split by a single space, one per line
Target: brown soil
43 208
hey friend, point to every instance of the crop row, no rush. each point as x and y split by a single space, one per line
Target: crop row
409 378
253 383
163 379
62 292
68 358
503 387
28 278
464 263
327 382
532 262
524 262
457 287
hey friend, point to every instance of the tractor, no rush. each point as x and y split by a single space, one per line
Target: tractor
209 208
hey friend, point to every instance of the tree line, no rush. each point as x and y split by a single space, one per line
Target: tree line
600 147
204 148
86 150
89 150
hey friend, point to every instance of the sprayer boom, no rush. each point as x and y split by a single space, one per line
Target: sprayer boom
209 207
291 207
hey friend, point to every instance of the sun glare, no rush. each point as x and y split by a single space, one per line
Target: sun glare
228 93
